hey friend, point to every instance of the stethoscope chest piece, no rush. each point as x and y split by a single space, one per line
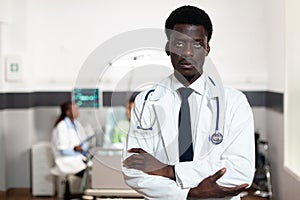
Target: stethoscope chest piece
216 138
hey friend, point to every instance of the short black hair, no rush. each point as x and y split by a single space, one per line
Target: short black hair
189 15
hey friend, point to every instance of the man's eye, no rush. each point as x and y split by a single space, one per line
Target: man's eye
179 44
197 45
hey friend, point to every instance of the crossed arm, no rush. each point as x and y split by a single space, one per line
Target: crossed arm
208 188
151 172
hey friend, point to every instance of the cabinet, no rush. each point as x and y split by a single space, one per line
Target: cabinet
41 162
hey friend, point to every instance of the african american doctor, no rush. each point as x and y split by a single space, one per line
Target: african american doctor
171 150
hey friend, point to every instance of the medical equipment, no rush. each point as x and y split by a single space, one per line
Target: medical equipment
216 138
141 115
262 177
107 178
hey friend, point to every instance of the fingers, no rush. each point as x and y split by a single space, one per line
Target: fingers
135 161
229 191
218 174
239 187
233 191
136 150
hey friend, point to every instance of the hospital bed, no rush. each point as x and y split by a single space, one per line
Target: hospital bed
106 175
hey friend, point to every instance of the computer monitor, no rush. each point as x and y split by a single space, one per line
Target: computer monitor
86 97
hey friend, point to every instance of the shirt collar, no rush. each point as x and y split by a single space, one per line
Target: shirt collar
198 85
69 123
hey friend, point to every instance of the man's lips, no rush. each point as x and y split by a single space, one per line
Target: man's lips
186 65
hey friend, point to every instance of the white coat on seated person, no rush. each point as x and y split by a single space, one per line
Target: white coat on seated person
67 146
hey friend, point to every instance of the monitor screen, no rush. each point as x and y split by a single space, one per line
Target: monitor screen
86 97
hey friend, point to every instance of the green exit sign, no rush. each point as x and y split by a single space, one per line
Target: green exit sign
13 68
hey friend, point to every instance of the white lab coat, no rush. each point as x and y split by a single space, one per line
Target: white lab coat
64 137
235 153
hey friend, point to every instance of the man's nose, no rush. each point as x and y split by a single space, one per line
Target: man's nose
188 51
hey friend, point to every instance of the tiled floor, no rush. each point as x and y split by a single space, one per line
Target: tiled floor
25 194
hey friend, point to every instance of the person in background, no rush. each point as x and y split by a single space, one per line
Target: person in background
68 143
122 127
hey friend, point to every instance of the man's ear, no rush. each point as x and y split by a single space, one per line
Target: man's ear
207 49
167 48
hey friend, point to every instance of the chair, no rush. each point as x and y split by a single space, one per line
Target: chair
67 185
44 173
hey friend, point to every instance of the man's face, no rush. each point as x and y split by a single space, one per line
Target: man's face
188 47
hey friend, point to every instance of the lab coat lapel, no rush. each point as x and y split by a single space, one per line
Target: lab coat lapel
207 116
204 129
164 110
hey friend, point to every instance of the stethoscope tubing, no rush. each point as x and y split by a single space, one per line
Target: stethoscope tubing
212 136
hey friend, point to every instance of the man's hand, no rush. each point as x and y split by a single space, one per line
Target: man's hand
208 188
145 162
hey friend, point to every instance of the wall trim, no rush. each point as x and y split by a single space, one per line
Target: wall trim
271 100
35 99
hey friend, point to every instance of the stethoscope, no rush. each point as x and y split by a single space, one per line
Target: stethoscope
215 138
142 111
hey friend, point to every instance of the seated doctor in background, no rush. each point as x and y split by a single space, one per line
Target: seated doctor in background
174 148
68 144
122 127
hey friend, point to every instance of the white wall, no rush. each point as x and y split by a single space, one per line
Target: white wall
2 152
276 81
292 88
57 36
276 45
291 117
275 138
283 37
2 155
18 129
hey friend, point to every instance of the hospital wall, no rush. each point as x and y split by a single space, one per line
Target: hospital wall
282 51
52 37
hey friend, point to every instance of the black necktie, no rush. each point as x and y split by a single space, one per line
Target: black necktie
186 151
